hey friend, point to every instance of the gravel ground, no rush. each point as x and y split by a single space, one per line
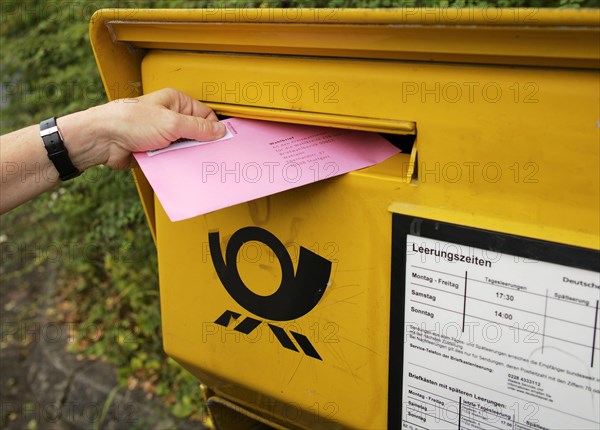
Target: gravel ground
22 300
44 387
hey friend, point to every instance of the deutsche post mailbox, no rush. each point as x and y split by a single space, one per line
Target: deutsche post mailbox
453 284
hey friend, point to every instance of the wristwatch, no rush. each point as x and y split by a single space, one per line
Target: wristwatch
57 153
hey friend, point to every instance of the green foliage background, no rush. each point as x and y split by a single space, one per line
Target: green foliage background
95 225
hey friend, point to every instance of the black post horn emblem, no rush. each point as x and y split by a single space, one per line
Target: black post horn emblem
297 294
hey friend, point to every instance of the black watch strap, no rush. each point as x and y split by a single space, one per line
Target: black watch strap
57 153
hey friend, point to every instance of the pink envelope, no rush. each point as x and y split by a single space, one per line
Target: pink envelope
255 159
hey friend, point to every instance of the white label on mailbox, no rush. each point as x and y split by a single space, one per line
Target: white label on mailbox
495 341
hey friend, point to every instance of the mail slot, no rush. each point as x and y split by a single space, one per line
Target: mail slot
497 117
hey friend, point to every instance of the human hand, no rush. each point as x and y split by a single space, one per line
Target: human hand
108 134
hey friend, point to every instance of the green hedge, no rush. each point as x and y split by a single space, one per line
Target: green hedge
93 229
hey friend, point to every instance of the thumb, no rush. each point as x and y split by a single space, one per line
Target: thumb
197 128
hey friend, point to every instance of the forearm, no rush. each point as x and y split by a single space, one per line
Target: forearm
25 169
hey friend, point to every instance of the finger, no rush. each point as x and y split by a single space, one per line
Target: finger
212 117
193 127
124 163
129 163
180 102
197 108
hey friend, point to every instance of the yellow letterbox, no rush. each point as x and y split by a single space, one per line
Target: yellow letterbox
497 113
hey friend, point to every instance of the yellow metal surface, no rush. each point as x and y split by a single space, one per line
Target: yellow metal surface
538 46
230 416
507 118
321 119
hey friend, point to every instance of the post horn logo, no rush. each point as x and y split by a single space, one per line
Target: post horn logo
297 294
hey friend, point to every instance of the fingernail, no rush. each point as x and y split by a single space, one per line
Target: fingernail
218 127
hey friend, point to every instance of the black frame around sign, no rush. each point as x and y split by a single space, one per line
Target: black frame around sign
403 225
